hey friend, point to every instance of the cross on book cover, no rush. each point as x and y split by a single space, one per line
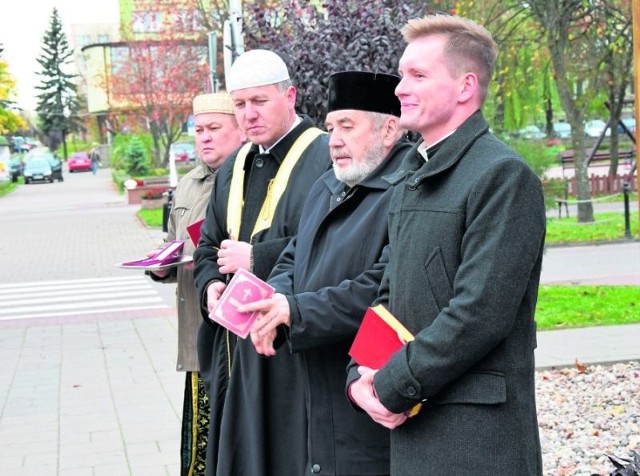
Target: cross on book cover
244 288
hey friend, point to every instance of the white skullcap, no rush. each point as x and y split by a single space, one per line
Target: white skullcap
256 68
213 102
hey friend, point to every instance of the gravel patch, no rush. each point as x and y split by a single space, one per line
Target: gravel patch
586 413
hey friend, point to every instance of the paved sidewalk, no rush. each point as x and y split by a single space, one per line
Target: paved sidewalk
593 345
611 264
100 395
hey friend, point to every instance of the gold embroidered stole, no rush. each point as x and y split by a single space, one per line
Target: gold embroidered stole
275 189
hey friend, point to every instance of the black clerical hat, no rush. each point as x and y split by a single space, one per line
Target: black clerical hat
363 91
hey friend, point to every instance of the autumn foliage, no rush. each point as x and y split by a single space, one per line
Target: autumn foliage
152 83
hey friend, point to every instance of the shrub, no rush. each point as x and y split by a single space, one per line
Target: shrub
336 36
136 158
554 188
119 176
537 154
121 144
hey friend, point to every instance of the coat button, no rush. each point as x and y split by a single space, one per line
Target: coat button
315 468
411 391
259 163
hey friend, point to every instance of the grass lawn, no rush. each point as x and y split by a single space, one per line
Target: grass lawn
563 307
606 227
6 187
151 217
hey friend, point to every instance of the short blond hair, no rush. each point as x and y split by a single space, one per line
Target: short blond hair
470 46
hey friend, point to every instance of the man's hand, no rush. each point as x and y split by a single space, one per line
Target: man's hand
214 291
264 343
364 395
160 273
273 312
234 255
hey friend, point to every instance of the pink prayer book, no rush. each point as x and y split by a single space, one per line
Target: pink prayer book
244 288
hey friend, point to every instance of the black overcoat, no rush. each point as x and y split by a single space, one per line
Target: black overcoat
330 273
241 422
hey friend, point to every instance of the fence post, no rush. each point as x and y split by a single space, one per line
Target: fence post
166 210
627 222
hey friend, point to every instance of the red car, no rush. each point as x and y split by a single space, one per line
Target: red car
79 161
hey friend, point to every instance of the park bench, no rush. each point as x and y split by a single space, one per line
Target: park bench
567 158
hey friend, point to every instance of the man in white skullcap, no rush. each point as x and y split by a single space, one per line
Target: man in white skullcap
217 136
253 213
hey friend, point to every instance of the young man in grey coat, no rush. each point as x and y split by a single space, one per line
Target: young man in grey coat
466 233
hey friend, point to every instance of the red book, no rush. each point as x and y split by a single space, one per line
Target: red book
244 288
380 335
194 231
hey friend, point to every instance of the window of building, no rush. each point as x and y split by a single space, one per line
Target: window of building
147 22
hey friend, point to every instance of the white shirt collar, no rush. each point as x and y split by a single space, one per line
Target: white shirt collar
424 147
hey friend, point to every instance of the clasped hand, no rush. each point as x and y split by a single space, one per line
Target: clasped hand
364 395
273 312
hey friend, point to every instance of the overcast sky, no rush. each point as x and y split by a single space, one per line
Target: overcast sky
23 24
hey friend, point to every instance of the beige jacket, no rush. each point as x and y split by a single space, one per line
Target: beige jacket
189 205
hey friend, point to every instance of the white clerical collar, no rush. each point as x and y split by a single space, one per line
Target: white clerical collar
262 150
424 147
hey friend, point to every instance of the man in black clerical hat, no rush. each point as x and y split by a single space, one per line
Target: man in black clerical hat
329 274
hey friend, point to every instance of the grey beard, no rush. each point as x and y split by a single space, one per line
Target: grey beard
358 171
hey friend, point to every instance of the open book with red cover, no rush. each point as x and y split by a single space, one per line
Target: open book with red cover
380 335
244 288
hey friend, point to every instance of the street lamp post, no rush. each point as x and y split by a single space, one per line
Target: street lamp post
213 61
233 39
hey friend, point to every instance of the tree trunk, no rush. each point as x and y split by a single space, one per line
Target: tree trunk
583 185
575 118
64 145
155 134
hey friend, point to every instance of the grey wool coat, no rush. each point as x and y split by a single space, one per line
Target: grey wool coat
466 233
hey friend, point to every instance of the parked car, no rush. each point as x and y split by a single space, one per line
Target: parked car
37 169
79 161
562 130
530 132
630 123
21 144
54 161
595 127
183 152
